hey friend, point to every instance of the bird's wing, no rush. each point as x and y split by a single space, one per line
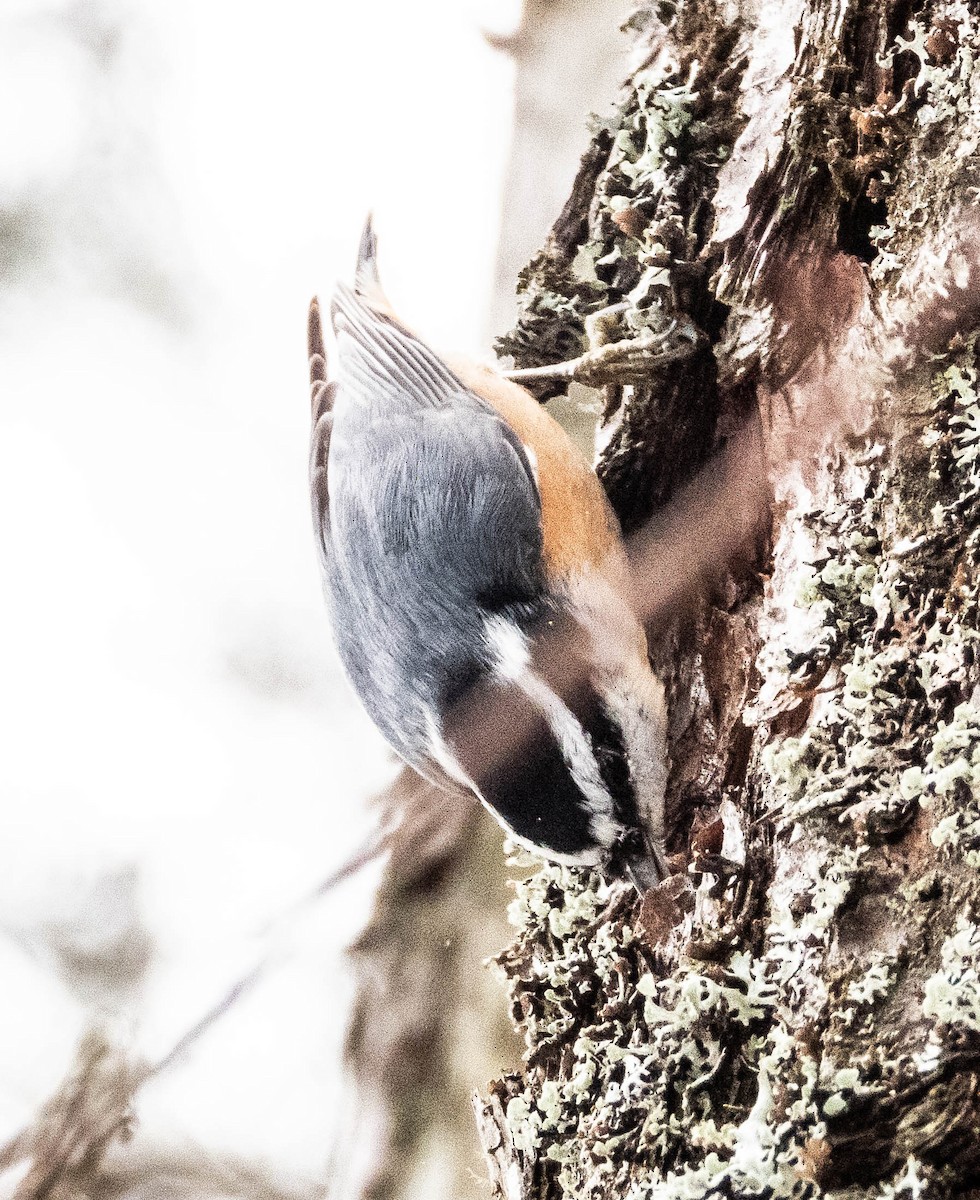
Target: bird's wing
386 367
322 394
378 356
435 528
448 492
580 528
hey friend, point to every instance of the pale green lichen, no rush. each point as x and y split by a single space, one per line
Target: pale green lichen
864 994
572 908
957 385
952 994
912 1183
744 996
523 1128
644 163
874 984
655 1072
578 909
842 760
948 91
645 147
657 1062
943 99
853 591
952 776
622 1094
652 134
845 1084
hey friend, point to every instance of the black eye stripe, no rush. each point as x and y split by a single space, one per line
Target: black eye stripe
562 656
506 745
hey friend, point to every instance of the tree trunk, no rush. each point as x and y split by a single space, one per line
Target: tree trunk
797 1011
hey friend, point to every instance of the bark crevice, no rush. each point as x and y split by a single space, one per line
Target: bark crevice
796 1013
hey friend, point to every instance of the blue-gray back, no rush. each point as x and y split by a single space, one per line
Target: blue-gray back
429 521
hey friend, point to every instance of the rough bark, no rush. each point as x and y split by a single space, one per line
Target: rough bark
797 1012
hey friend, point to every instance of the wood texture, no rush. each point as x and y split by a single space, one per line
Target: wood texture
796 1012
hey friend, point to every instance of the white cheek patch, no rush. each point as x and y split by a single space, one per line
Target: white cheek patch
585 858
513 658
638 704
633 693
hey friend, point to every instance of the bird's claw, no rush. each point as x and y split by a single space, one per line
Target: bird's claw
629 360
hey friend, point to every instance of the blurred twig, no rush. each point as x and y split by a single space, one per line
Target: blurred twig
62 1151
66 1152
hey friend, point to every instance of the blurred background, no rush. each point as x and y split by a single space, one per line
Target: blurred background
181 759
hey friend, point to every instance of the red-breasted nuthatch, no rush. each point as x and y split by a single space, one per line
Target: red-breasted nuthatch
478 591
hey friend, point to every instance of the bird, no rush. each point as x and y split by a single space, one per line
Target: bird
479 593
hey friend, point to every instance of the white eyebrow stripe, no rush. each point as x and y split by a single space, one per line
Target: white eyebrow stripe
513 660
511 651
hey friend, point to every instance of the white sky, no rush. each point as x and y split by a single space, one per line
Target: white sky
173 720
170 699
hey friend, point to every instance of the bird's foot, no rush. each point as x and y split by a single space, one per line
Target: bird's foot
629 360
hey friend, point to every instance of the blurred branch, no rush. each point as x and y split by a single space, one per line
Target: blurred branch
62 1151
66 1152
427 1022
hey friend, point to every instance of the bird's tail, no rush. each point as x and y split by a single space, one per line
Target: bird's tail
367 279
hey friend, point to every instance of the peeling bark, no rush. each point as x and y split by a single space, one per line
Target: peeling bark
797 1012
